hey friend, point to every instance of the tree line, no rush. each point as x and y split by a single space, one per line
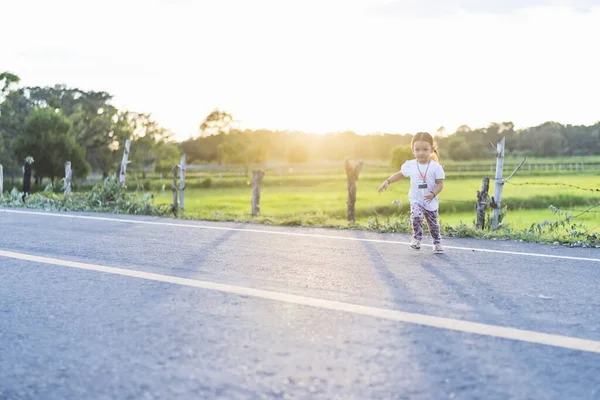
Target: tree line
218 142
58 123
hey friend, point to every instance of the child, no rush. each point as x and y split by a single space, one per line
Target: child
426 182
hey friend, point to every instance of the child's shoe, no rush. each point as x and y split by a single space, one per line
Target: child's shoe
437 248
415 244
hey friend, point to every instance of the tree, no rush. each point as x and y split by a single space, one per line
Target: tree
168 156
92 116
7 80
401 154
463 129
146 142
459 149
258 150
68 99
93 121
297 153
94 131
243 148
233 150
46 138
13 113
215 123
203 148
548 140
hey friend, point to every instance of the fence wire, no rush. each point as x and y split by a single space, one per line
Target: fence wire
554 184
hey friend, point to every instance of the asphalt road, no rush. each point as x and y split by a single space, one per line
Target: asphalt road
97 306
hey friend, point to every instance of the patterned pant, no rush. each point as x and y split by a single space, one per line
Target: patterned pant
417 213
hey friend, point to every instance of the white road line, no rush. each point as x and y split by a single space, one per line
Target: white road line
394 315
196 226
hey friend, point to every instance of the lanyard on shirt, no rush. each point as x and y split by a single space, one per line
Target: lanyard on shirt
423 182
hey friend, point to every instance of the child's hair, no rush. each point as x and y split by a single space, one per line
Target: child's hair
426 137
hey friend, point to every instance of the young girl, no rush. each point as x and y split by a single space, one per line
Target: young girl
426 182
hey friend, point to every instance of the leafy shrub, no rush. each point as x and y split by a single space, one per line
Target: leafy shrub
107 196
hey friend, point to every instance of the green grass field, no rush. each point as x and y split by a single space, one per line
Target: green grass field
527 198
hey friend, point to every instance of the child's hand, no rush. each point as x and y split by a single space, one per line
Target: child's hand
429 196
383 186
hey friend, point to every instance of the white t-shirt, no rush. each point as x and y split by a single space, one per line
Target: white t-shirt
421 174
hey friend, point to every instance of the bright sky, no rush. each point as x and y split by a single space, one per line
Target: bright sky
318 65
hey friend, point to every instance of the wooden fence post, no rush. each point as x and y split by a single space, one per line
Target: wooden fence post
499 184
352 172
68 177
175 206
27 176
181 183
482 202
257 177
124 162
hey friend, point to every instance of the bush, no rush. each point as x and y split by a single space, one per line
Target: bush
401 154
108 196
206 183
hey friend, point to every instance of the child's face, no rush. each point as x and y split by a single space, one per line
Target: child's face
422 151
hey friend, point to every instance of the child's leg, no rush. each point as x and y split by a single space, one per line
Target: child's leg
416 216
432 218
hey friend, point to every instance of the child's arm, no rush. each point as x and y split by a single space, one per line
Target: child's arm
439 186
394 178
